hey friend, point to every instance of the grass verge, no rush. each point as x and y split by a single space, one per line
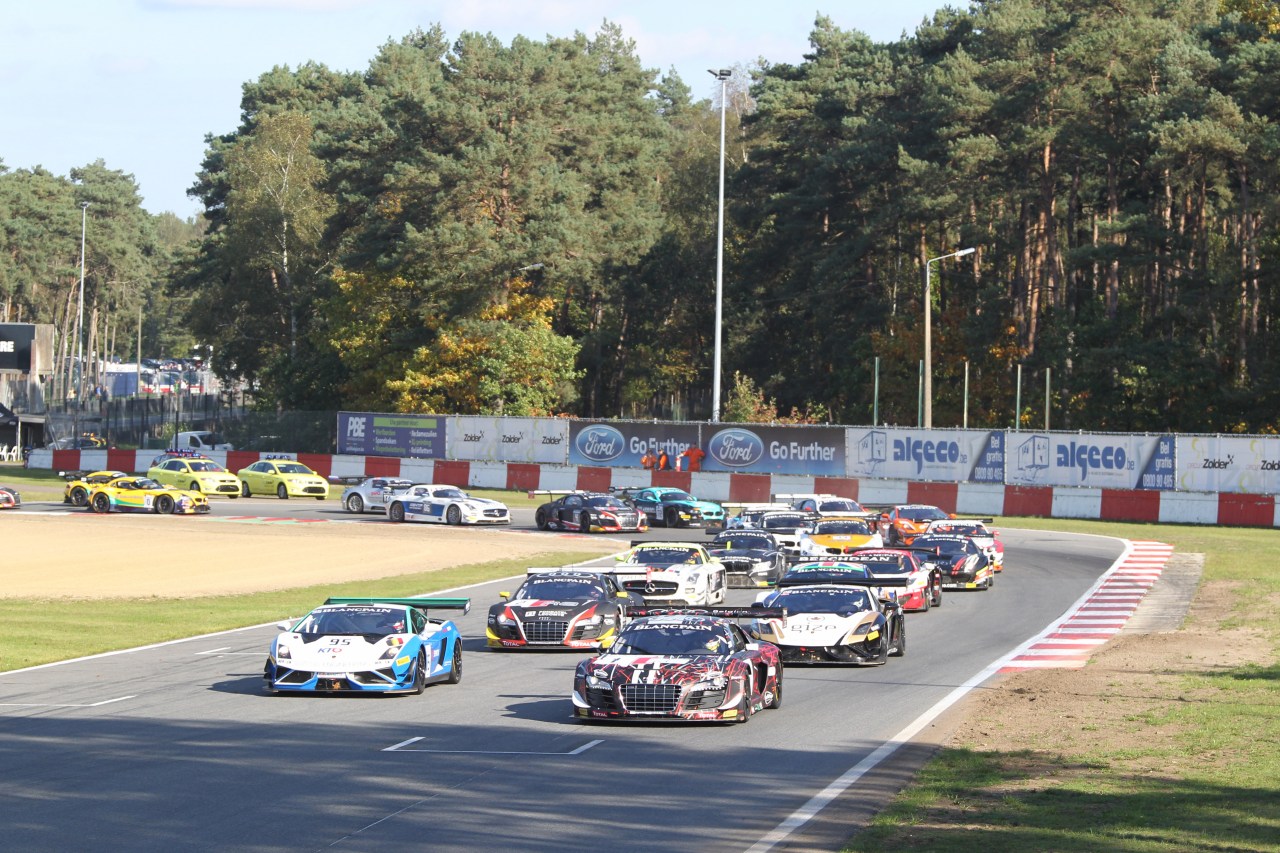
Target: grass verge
34 631
1177 746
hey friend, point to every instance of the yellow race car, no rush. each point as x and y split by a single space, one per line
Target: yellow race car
283 477
184 469
79 484
142 494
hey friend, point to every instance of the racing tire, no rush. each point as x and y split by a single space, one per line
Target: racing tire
927 596
584 523
101 503
540 520
900 647
775 701
744 706
79 496
671 518
244 490
354 503
936 592
455 668
165 505
420 673
395 512
281 492
453 515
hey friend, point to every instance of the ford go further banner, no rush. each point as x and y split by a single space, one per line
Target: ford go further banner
1109 461
817 451
621 444
410 436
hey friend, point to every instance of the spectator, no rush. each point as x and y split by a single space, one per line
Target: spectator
664 461
648 460
693 456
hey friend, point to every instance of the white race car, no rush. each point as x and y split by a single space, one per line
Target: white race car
672 573
821 504
372 494
444 505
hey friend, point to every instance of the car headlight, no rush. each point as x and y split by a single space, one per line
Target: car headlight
593 620
282 652
715 681
504 618
394 647
595 682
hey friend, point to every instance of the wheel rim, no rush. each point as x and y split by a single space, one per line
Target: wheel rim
164 505
397 512
79 497
282 492
454 515
101 503
355 504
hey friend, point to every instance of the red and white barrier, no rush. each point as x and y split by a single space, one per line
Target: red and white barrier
977 499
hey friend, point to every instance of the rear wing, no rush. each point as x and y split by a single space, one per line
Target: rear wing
346 481
546 570
838 578
853 552
719 612
423 604
533 493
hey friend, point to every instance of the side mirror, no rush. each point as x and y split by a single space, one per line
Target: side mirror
504 595
759 604
284 626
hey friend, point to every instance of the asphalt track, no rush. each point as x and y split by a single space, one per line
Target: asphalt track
177 746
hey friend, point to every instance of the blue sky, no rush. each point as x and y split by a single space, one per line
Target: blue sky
138 83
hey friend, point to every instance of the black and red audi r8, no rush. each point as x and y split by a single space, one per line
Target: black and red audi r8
590 512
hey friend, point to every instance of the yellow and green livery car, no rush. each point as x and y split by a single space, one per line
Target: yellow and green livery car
80 484
283 477
142 494
195 473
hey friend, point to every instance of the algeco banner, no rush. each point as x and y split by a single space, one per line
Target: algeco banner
16 340
508 439
372 434
816 451
1087 459
1229 463
622 444
941 455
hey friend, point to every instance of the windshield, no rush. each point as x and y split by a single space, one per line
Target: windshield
293 468
921 513
450 493
946 545
742 539
646 638
207 467
839 506
665 556
667 497
377 621
827 528
606 501
781 522
561 588
822 600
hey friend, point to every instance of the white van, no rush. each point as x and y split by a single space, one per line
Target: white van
200 441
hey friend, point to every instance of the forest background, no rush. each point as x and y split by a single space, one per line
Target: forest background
530 228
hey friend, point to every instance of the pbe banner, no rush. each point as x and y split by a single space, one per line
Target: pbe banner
1229 463
818 451
621 444
508 439
372 434
1090 459
951 456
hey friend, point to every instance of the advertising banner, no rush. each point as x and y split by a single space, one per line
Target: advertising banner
759 449
16 340
489 439
622 444
939 455
372 434
1107 461
1229 463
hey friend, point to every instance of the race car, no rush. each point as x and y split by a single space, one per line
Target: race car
372 493
184 469
367 645
922 588
142 494
977 530
821 504
751 558
589 512
677 508
79 484
672 573
786 526
695 665
284 477
444 505
900 524
961 561
837 535
560 608
9 498
748 515
835 614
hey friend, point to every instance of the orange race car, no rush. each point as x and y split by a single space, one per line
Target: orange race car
901 524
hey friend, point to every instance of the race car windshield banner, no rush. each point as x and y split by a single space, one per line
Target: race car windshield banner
757 449
409 436
1109 461
1229 463
939 455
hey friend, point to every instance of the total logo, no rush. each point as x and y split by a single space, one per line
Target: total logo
736 448
1091 457
934 452
600 443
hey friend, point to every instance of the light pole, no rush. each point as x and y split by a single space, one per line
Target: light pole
84 210
723 76
928 335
